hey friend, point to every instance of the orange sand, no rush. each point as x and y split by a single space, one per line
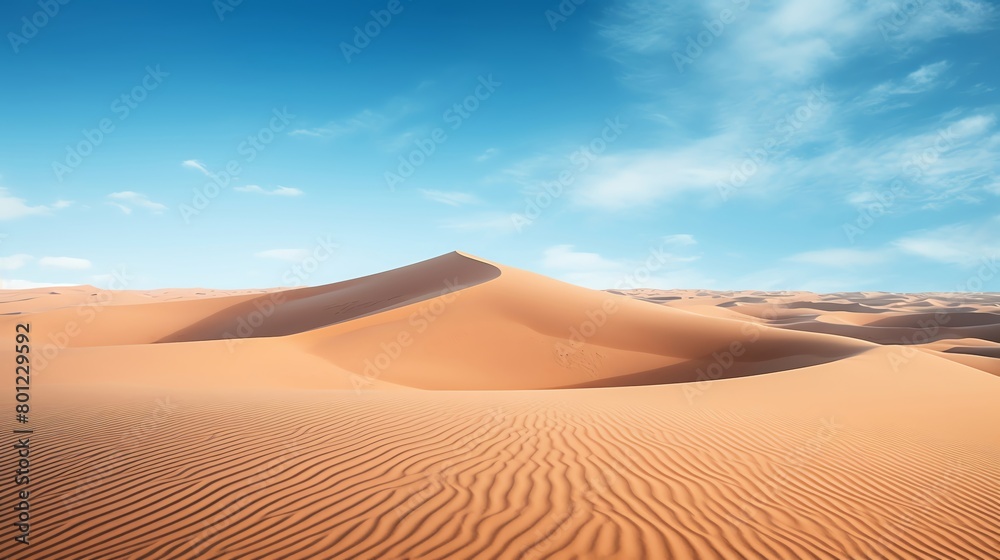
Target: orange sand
459 408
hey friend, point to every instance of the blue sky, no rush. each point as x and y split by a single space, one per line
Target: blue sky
729 144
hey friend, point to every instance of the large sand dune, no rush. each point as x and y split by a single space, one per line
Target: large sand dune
459 408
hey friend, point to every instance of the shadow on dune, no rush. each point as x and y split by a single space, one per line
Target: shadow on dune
305 309
831 306
901 334
949 318
985 351
707 370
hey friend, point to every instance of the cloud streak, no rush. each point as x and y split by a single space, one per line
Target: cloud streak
65 263
451 198
279 191
13 207
126 201
290 255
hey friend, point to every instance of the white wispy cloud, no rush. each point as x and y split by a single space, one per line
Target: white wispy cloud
126 201
933 20
799 39
839 258
487 222
197 165
562 257
680 239
922 78
279 191
789 40
980 88
20 284
789 276
634 178
366 120
403 140
13 207
957 244
964 246
647 26
487 154
937 163
886 95
796 44
451 198
947 161
14 262
65 263
291 255
667 264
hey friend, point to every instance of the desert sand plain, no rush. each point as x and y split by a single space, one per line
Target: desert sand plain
458 408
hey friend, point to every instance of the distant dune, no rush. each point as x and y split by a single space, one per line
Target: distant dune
459 408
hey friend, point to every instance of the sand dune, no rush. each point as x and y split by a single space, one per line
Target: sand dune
964 324
459 408
476 328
